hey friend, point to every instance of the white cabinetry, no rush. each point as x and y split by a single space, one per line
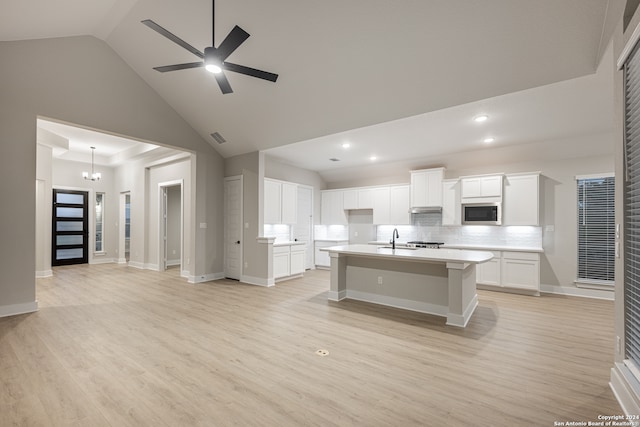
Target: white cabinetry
381 205
322 259
297 260
288 260
511 270
332 208
280 202
358 198
481 187
281 261
426 187
399 205
451 210
521 205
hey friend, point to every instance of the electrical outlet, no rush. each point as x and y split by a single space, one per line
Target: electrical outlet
246 264
618 345
174 252
379 280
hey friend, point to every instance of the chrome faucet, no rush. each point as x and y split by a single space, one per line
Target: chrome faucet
394 235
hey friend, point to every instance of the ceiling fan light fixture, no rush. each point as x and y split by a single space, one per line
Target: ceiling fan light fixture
211 61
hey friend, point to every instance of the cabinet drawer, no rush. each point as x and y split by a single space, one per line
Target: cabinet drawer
298 248
281 249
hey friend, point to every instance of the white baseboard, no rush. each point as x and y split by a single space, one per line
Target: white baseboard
136 264
258 281
337 296
15 309
44 273
462 320
102 260
121 261
619 383
205 278
172 262
578 292
421 307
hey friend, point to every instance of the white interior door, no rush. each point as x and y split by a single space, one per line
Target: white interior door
233 227
303 229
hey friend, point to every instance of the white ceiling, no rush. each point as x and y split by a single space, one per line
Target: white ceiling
347 67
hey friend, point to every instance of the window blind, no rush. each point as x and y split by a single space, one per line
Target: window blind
596 230
632 208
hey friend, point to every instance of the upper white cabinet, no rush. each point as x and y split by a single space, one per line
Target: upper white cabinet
521 205
476 187
280 202
426 187
332 207
451 210
399 205
381 205
358 198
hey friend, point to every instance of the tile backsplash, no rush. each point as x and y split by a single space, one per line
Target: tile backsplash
428 227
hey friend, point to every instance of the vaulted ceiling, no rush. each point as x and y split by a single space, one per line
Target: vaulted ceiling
342 65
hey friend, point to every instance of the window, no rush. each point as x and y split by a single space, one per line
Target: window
596 230
99 222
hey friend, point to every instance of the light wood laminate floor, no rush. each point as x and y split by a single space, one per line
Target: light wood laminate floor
117 346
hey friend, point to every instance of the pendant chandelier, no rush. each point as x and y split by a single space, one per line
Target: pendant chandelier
95 176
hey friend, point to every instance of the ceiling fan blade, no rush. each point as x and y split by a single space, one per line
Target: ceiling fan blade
225 87
177 40
235 38
250 71
177 67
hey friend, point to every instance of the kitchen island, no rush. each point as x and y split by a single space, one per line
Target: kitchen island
434 281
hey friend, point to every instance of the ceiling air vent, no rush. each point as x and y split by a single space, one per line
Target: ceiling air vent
219 139
333 159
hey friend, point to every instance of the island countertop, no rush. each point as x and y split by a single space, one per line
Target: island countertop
413 254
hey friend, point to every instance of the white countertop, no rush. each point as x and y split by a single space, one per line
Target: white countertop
473 247
331 240
406 254
288 243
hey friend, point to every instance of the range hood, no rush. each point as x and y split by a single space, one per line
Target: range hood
425 209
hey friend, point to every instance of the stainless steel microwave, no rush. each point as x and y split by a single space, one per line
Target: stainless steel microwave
482 213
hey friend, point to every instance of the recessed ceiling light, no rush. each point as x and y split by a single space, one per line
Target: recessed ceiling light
489 140
373 158
346 145
481 118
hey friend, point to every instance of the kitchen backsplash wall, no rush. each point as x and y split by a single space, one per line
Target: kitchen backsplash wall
428 227
282 232
331 232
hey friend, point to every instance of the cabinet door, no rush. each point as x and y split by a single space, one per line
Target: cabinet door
488 273
434 187
399 205
419 185
365 199
451 210
297 262
289 208
272 202
426 187
471 188
491 186
381 206
281 264
521 270
521 205
322 257
350 199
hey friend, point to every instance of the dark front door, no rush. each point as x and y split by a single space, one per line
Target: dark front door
70 233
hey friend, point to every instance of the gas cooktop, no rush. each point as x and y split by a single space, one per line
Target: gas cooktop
421 244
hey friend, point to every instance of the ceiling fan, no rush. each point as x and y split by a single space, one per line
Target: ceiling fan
213 59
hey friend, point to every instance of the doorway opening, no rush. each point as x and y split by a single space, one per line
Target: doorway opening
124 240
171 242
233 227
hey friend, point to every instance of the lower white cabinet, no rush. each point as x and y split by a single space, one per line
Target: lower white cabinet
281 261
322 259
297 260
511 270
288 260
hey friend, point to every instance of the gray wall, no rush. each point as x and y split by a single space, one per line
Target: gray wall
85 83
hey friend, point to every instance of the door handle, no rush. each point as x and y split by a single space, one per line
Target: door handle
238 242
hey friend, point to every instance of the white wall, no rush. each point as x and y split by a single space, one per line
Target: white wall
84 83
